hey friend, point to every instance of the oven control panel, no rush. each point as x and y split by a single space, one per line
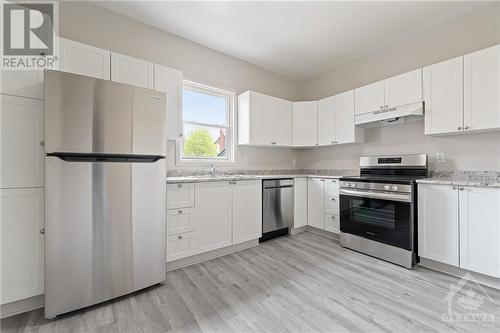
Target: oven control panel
376 186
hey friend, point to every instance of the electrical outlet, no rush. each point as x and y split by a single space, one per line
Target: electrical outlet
245 159
294 162
440 157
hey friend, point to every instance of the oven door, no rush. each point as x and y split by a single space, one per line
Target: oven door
380 216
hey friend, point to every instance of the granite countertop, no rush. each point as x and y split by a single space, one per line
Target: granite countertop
192 176
477 179
223 178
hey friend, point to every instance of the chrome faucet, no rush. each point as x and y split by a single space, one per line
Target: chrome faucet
212 171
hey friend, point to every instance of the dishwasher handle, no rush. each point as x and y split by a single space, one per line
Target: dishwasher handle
275 187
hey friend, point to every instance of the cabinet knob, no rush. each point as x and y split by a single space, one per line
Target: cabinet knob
180 135
466 127
42 143
459 128
179 185
333 199
42 231
333 217
273 143
461 188
181 237
180 211
454 187
381 106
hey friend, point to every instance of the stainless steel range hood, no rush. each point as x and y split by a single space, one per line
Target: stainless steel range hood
391 116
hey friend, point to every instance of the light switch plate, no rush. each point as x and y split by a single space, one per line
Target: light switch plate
440 157
294 162
245 159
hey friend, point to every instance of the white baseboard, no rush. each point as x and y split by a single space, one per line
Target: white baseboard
210 255
294 231
460 272
24 305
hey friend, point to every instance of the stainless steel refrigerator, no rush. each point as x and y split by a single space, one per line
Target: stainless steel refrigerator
105 195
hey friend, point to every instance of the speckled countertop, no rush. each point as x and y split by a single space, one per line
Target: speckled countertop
193 176
464 178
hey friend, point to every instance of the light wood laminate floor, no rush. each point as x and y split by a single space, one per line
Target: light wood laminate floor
300 283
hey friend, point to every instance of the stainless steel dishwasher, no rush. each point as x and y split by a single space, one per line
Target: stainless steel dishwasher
277 208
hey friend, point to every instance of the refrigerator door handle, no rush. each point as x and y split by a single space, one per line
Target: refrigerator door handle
117 158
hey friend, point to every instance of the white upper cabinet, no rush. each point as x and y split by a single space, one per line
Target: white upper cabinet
480 230
280 114
438 230
22 83
264 120
481 89
247 210
345 130
316 203
22 243
299 202
370 98
82 59
392 92
443 95
404 89
305 124
22 150
133 71
169 81
326 121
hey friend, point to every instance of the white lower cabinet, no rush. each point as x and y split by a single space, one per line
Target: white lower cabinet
480 230
316 203
332 223
438 232
178 246
247 210
22 223
299 202
460 226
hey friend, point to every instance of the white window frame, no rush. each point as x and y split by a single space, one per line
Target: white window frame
230 134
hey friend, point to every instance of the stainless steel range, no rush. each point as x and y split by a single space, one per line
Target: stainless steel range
378 208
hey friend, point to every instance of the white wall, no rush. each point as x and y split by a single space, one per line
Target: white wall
473 31
88 23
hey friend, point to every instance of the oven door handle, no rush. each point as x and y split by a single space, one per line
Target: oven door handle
377 195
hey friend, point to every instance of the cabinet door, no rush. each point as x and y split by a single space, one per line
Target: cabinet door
326 121
260 122
22 219
247 210
345 130
369 98
481 87
84 59
305 124
299 202
22 83
178 246
438 223
316 203
22 154
404 89
480 230
180 195
212 215
169 81
280 112
133 71
443 95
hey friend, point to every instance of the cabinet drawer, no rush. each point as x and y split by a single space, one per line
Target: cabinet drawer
179 221
180 195
178 246
332 205
331 187
332 223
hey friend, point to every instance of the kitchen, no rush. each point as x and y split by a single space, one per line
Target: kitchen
294 148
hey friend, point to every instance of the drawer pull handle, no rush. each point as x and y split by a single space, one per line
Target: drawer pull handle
181 237
179 185
180 211
333 199
333 217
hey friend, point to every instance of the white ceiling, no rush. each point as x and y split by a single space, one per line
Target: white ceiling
297 39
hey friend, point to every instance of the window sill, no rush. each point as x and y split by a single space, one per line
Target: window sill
203 163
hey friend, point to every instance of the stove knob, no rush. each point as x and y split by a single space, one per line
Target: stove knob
353 184
394 187
387 187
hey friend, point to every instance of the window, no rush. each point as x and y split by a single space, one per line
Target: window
207 115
